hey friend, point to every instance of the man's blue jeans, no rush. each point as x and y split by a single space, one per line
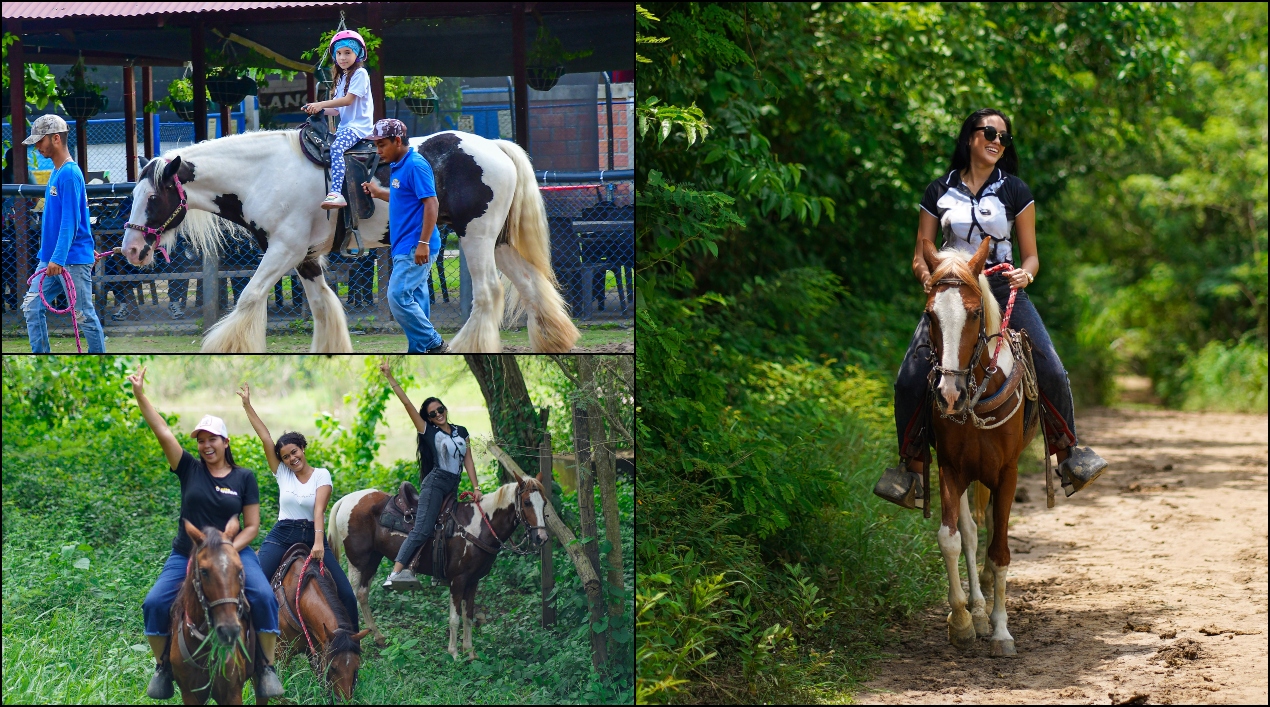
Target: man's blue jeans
33 308
408 301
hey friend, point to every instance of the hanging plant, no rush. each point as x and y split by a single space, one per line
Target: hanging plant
80 98
180 99
418 93
546 59
39 84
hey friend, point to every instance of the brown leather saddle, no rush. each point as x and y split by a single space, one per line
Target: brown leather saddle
399 516
361 161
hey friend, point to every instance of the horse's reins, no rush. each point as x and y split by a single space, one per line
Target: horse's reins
499 544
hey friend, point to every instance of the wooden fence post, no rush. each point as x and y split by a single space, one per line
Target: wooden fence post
586 513
548 572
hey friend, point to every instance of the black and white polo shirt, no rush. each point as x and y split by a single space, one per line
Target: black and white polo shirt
964 218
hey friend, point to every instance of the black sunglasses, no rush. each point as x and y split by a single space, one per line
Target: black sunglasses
990 133
437 412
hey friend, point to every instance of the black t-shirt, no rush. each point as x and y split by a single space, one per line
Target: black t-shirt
964 218
207 500
453 446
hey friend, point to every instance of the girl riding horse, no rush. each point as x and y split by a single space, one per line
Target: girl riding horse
352 103
981 197
443 452
214 490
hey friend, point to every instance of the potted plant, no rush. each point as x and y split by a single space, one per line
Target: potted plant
417 92
546 59
180 99
80 98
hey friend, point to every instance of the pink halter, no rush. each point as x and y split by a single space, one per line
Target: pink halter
180 208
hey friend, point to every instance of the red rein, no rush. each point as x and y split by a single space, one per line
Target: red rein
69 285
469 494
298 584
1005 321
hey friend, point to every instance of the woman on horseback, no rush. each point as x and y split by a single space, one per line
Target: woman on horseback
981 197
214 490
352 103
443 453
304 492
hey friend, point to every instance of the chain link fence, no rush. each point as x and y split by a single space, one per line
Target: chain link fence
591 218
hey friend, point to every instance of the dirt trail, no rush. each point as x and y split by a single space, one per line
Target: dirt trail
1165 552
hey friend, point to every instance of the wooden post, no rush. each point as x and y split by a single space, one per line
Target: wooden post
374 22
224 120
199 81
147 123
130 121
520 77
548 572
310 87
586 513
17 105
209 287
81 144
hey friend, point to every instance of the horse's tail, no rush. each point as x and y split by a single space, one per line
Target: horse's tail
978 510
550 329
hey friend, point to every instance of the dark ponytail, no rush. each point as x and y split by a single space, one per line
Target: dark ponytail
1009 162
422 453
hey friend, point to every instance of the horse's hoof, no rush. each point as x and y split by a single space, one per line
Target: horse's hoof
980 620
379 641
962 637
1003 648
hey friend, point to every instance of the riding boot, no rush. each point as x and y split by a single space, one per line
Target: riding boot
900 486
1080 468
161 683
270 685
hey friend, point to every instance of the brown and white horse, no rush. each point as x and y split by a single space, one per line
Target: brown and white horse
212 607
329 627
964 316
355 531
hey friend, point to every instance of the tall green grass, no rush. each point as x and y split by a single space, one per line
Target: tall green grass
1229 376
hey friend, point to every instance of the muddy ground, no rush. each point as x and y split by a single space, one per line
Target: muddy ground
1147 587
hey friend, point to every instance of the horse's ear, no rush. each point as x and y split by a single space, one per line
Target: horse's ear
170 170
195 534
929 254
357 637
981 256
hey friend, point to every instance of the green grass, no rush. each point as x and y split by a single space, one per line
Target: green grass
592 336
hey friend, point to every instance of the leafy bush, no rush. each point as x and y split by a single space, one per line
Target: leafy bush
1224 376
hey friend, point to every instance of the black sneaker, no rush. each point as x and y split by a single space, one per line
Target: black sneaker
439 348
161 684
1080 468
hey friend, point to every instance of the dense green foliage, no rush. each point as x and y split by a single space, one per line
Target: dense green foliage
783 150
90 510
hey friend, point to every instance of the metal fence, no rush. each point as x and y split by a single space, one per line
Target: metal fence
591 217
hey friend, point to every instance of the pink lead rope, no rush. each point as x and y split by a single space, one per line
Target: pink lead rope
1009 308
68 284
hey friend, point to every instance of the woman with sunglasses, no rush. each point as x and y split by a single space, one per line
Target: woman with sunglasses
980 197
443 454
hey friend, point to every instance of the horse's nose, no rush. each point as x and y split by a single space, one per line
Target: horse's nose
542 535
227 634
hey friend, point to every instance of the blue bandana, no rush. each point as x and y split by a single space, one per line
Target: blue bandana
353 45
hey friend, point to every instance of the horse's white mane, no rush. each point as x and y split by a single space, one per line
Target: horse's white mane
950 262
502 497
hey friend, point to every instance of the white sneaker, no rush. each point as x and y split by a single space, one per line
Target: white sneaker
334 201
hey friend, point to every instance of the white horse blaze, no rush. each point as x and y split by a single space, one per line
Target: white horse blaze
535 500
950 312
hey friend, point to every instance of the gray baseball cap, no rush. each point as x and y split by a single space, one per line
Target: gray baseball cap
45 125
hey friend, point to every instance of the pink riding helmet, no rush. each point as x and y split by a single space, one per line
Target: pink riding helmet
349 34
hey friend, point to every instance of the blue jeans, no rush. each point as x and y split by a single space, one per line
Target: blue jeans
286 533
158 603
433 491
37 330
912 426
344 139
408 301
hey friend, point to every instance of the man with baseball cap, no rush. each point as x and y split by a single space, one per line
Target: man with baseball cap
66 244
412 231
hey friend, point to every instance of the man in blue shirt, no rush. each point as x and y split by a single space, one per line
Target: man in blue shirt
412 232
66 244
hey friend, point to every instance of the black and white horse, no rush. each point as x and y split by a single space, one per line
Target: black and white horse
261 182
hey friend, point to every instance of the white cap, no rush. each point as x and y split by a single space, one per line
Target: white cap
212 424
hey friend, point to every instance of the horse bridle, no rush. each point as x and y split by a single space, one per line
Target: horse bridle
240 600
518 548
969 371
181 208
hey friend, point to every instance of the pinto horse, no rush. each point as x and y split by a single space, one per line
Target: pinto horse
262 182
212 607
355 531
964 317
321 619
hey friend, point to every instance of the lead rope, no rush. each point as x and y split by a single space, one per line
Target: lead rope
299 585
1009 309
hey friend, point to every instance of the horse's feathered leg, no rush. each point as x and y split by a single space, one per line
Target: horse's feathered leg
330 327
550 329
970 547
480 333
243 331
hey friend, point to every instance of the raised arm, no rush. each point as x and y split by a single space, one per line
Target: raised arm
171 448
401 395
258 425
